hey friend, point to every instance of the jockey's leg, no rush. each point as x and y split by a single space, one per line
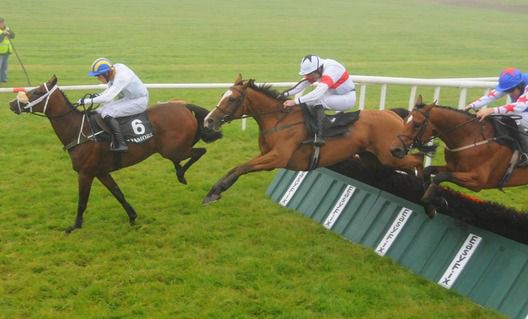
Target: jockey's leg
119 144
523 143
119 108
319 117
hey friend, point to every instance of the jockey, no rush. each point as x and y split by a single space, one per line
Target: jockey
514 83
335 89
123 83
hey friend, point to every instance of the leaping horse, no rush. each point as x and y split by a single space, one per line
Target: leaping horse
282 134
475 157
177 127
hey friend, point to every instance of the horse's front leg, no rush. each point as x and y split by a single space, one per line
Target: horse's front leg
112 186
267 161
85 184
471 180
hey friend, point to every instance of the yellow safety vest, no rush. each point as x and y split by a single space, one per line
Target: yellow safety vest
5 46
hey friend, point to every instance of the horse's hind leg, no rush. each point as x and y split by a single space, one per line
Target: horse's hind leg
85 184
196 153
112 186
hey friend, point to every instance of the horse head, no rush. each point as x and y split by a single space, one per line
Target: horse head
417 131
232 105
35 100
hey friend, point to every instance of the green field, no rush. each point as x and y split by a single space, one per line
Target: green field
244 256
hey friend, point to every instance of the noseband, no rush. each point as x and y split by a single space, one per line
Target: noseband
29 106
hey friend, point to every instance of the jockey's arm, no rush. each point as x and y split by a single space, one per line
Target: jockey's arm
315 95
493 95
297 88
120 82
521 105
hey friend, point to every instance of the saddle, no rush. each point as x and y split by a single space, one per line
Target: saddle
333 125
135 128
508 133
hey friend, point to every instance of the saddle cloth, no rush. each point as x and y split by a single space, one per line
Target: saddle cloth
333 125
135 128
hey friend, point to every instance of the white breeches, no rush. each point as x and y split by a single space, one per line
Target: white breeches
124 107
338 102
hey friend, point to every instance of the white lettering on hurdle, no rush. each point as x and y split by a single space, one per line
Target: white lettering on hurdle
393 231
460 261
293 188
339 207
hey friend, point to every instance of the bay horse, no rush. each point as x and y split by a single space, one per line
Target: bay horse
473 157
177 127
282 134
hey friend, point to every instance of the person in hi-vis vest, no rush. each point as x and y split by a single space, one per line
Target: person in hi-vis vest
5 48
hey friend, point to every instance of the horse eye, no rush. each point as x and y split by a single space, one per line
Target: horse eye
416 125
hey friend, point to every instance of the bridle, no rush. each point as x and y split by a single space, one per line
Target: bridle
28 107
417 139
238 101
36 101
422 145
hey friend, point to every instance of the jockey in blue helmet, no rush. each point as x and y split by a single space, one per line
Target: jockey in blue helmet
101 66
514 83
126 95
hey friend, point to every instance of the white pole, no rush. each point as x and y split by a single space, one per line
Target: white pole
244 124
362 91
436 96
462 98
412 97
383 96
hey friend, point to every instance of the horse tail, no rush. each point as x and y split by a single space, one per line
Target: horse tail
400 111
205 134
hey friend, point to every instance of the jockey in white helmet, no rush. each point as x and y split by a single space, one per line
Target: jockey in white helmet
335 89
126 95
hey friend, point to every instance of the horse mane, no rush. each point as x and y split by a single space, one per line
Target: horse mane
67 100
267 90
471 115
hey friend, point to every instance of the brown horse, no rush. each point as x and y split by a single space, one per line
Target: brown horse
474 159
177 127
282 134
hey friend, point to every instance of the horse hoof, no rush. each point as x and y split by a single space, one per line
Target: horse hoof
70 229
211 198
182 179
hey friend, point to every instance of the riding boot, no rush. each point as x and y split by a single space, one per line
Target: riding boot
523 144
320 115
118 141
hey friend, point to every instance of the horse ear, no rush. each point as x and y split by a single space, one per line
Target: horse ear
238 79
419 100
53 80
250 82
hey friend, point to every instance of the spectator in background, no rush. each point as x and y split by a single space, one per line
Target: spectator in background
5 48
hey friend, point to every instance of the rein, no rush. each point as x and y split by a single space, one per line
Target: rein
227 114
419 144
81 137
